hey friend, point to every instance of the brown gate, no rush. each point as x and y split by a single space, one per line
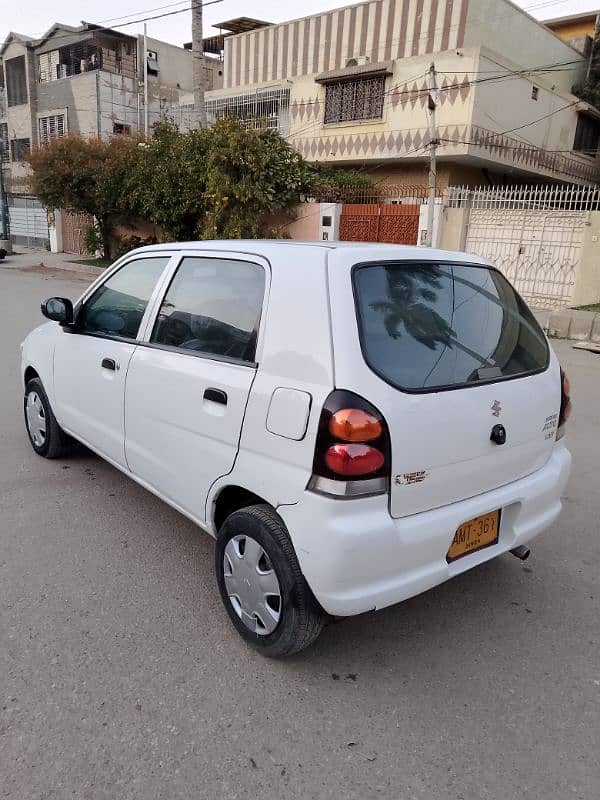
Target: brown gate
386 222
74 227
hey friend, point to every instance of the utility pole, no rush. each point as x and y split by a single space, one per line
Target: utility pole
198 77
4 230
433 143
146 110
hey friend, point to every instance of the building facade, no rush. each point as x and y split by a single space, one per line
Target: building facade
350 87
577 30
86 80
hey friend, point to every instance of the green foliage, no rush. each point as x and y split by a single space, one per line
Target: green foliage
78 174
92 239
249 175
219 182
325 176
166 182
128 243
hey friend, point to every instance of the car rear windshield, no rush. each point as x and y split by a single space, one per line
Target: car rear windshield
427 326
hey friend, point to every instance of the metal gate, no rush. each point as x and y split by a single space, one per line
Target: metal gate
28 222
534 235
392 223
74 227
538 251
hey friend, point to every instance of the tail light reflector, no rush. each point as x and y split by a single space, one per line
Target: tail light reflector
352 451
354 425
350 460
565 405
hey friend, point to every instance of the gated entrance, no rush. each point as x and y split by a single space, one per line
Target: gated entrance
74 227
28 222
534 235
392 223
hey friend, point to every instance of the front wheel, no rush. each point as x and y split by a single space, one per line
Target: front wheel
262 586
45 434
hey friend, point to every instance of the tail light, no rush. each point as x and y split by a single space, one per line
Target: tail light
352 452
565 405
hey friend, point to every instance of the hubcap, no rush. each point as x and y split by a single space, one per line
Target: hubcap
36 419
252 585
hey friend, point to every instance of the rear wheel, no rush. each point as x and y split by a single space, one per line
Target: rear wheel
262 586
45 434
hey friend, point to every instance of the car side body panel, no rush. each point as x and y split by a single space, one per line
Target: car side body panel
296 354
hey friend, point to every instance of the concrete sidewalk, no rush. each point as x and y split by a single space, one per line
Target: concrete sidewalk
26 257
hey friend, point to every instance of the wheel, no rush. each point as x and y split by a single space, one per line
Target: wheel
45 434
262 586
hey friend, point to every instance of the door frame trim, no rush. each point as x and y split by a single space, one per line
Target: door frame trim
153 308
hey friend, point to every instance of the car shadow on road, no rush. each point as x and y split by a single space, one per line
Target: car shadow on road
477 612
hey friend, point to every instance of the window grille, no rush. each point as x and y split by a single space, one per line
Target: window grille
52 127
354 99
4 149
263 109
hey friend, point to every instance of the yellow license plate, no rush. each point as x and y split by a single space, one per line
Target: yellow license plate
473 535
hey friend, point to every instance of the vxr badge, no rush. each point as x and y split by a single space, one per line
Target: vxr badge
496 408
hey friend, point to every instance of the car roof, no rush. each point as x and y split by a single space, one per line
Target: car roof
268 248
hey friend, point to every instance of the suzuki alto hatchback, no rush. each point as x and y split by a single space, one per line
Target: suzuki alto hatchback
353 423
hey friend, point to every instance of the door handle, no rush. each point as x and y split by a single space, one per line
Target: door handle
216 396
109 363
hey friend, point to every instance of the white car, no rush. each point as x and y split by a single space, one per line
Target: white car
353 423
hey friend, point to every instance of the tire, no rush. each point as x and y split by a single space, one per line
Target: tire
281 628
53 442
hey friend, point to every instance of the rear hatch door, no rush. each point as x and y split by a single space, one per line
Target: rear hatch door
447 351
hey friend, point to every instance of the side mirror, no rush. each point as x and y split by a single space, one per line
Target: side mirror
59 309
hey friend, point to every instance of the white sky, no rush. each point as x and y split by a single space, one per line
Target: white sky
34 17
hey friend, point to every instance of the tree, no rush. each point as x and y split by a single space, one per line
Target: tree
249 175
219 182
77 174
198 75
167 181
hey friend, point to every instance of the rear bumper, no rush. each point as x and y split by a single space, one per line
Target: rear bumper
356 557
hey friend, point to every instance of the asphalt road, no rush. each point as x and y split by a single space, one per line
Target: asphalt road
120 676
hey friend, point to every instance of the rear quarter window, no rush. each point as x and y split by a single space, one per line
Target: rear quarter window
429 326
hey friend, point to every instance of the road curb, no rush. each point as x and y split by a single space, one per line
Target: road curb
571 323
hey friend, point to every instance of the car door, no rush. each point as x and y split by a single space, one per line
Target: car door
91 358
189 380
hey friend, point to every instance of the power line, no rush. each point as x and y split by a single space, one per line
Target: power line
418 93
99 28
533 122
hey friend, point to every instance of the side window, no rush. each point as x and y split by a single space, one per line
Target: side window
212 306
117 307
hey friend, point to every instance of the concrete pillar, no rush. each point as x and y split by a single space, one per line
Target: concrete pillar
437 223
55 230
587 274
454 228
329 221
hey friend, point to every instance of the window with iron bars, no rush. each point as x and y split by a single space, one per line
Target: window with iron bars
587 135
16 81
52 127
4 151
19 149
266 109
354 99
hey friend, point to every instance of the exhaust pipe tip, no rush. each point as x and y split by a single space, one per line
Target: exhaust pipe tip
521 552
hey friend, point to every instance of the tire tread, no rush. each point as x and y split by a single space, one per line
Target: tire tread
309 619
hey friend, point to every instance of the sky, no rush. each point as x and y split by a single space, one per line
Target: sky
34 17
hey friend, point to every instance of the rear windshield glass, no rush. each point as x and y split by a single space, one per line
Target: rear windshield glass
430 326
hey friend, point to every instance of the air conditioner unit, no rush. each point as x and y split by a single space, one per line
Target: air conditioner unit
358 61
